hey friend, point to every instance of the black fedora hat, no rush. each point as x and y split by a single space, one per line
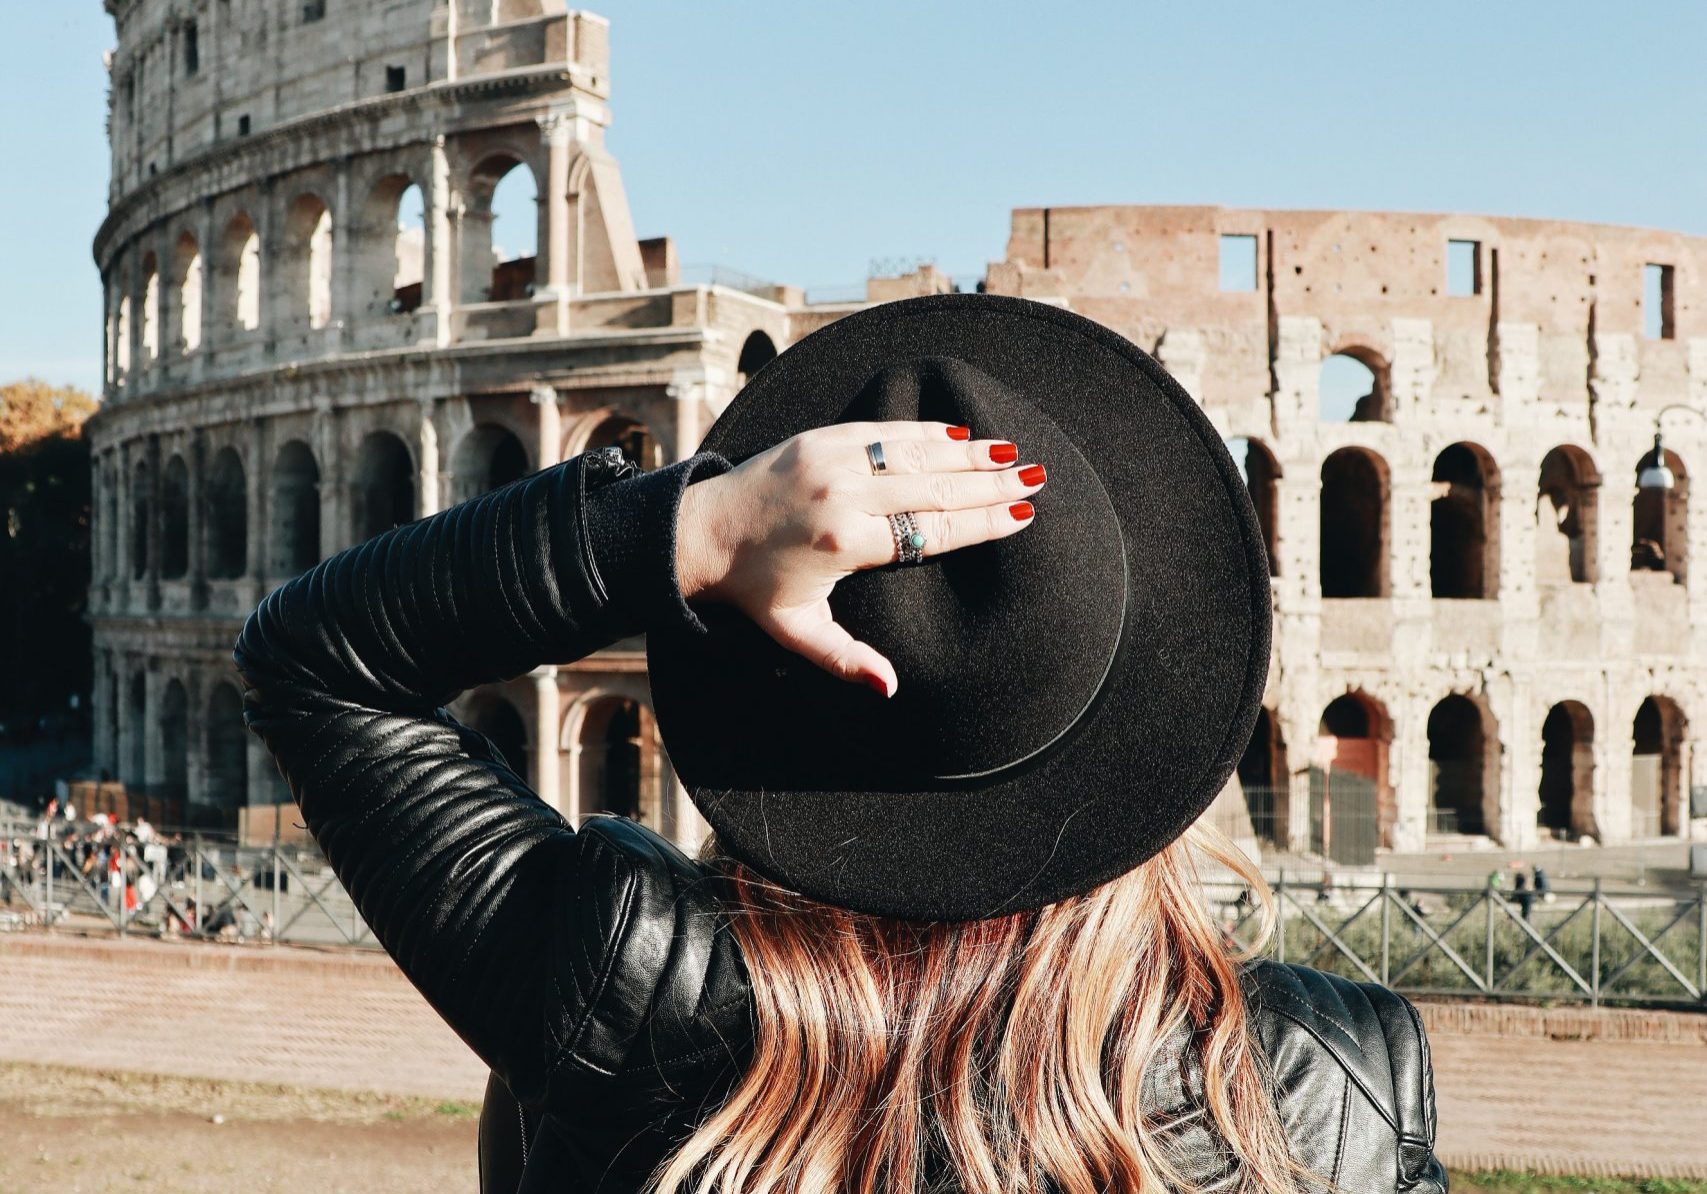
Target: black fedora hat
1071 697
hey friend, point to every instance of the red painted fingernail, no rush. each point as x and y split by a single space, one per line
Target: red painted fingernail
1021 511
1004 452
1033 474
876 682
960 433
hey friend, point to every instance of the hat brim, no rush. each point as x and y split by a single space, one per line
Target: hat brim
1178 705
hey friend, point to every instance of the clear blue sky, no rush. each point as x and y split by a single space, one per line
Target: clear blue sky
798 141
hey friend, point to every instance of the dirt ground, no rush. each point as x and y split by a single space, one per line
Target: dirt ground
75 1132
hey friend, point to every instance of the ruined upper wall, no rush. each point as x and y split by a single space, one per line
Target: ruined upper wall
190 75
1556 294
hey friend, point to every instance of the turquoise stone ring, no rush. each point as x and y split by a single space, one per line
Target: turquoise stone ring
909 539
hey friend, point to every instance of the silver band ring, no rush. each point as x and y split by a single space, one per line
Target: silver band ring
874 453
909 539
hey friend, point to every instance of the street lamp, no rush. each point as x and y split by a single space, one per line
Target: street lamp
1657 475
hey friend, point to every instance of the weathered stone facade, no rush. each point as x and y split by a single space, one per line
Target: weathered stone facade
1519 629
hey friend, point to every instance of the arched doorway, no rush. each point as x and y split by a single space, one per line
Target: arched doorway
1263 779
1464 524
1352 388
307 262
173 727
1463 781
1354 524
1657 789
757 351
488 456
632 436
140 507
1567 772
296 510
175 519
500 721
135 768
1659 533
499 231
382 495
227 759
1351 802
1567 516
225 514
619 760
1262 478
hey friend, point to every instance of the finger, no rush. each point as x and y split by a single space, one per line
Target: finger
909 457
949 530
813 632
951 491
895 429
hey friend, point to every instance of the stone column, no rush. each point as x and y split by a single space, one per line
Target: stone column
153 752
428 498
557 131
100 707
548 448
548 762
126 515
347 235
255 567
689 388
324 440
440 264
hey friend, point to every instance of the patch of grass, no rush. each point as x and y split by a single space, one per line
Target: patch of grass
459 1110
1507 1181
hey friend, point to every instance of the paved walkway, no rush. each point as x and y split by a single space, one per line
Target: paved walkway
1566 1091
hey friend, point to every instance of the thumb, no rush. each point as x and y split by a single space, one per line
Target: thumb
813 632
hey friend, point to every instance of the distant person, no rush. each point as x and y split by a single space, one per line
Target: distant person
1520 892
1543 888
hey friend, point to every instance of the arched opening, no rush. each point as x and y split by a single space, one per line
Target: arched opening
1352 388
619 760
1262 477
500 721
175 519
225 514
295 510
1656 769
1463 781
499 232
1464 524
632 436
382 495
141 505
1567 771
1659 536
308 283
1354 524
393 248
757 351
121 337
487 457
241 268
409 250
187 271
1567 509
174 730
227 760
1263 779
150 310
1351 802
135 768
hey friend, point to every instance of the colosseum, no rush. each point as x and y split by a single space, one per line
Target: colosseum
318 326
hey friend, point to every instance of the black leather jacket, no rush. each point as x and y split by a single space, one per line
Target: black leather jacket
592 971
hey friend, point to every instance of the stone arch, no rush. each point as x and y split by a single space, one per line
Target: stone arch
135 768
227 787
121 338
382 495
1567 771
307 294
1354 539
175 519
1261 472
225 516
494 272
173 726
498 719
1567 518
1658 791
392 248
619 759
141 505
1264 777
150 309
295 532
1464 550
1463 767
240 272
1352 808
1659 531
757 351
1353 386
631 435
488 456
187 281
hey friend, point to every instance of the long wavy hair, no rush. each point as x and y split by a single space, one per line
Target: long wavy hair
1011 1050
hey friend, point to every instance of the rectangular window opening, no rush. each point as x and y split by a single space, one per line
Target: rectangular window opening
1238 263
192 49
313 10
1658 305
242 126
396 78
1463 268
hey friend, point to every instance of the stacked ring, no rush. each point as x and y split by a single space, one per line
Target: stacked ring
909 540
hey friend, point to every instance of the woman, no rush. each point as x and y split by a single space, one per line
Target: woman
955 626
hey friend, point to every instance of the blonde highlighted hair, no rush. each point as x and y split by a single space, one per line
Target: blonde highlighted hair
1010 1051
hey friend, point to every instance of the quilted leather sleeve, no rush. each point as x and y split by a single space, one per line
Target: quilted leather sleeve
466 877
